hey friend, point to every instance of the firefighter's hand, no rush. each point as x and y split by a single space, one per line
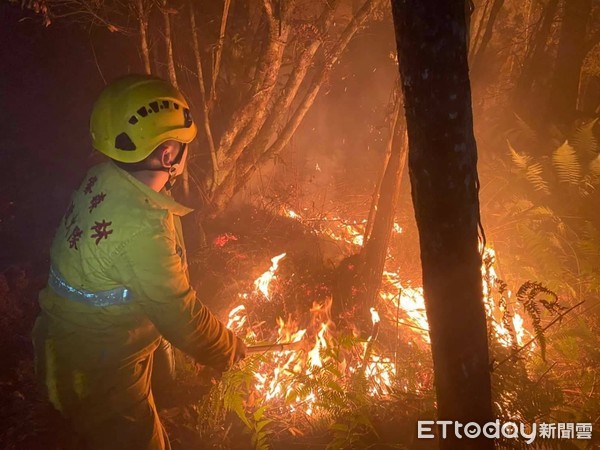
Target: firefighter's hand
239 351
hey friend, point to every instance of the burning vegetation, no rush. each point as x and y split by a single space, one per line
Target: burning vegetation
321 373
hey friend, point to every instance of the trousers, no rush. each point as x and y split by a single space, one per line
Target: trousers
108 407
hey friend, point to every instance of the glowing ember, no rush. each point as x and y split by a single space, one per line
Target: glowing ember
262 283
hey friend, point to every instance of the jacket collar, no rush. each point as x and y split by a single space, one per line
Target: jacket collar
162 199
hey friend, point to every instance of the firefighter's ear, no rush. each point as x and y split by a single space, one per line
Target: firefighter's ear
165 156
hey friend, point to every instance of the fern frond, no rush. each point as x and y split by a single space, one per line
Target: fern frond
524 131
594 170
534 176
520 160
584 140
528 294
566 164
543 211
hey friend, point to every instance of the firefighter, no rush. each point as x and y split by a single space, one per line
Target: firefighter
118 282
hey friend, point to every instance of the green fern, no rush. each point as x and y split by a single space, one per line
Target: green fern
532 171
535 176
529 295
584 141
594 171
521 160
568 168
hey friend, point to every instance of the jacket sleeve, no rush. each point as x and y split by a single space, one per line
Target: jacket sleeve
159 283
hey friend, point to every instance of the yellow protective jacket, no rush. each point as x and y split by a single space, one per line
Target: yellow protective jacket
117 232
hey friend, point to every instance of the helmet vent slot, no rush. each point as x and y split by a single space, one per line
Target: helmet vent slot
142 111
124 142
187 118
133 120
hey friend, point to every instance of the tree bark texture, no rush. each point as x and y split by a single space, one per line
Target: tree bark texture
169 44
487 34
562 100
374 252
534 65
202 89
431 37
142 17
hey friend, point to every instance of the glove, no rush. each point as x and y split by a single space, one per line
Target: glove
239 351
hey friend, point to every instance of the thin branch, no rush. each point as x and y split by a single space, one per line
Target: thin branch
232 183
169 44
288 94
142 16
218 54
246 121
205 109
475 40
392 119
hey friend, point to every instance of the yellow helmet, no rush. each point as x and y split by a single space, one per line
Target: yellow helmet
137 113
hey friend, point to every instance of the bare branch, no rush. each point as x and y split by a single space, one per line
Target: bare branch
245 169
205 109
142 16
218 53
169 44
292 86
250 117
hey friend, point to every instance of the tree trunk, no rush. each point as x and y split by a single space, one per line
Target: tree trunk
487 34
527 103
374 251
169 44
202 88
218 53
562 99
431 37
142 16
250 160
247 120
185 177
476 37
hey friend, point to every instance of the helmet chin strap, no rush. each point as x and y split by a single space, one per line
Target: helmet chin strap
172 171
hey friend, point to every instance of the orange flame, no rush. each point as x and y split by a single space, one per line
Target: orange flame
262 283
283 374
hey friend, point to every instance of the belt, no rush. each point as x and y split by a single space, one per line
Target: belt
117 296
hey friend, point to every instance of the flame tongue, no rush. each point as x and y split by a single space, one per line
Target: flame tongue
262 283
283 375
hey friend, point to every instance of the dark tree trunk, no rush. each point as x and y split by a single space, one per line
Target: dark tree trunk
562 101
380 225
527 103
487 34
431 36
